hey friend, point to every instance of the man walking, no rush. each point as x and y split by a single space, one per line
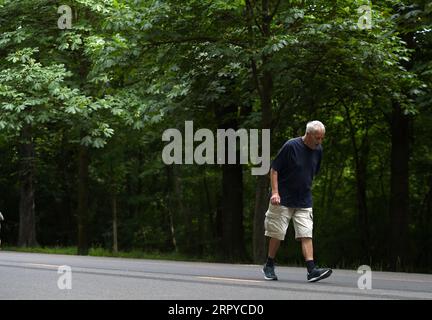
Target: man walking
291 174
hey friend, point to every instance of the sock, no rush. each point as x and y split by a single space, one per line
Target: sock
270 262
310 265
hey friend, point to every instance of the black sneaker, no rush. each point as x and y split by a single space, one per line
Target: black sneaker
318 274
269 273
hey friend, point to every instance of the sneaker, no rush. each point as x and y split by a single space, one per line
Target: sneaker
269 273
318 274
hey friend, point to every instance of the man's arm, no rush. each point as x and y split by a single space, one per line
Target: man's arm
275 198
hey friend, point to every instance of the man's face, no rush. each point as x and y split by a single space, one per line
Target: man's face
317 138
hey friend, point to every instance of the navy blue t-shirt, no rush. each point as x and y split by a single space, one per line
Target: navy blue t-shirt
296 165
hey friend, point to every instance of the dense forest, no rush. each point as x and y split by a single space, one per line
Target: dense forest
88 87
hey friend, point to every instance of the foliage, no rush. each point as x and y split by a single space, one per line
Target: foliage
128 70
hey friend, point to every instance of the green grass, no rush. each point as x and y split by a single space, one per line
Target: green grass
102 252
174 256
50 250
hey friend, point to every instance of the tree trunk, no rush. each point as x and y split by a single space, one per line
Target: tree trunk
175 202
426 211
67 206
232 212
231 245
261 205
211 213
172 230
399 186
362 208
27 226
360 155
114 220
262 187
83 212
264 85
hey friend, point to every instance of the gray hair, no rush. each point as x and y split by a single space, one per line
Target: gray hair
314 126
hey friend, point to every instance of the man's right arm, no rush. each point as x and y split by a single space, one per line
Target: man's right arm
275 198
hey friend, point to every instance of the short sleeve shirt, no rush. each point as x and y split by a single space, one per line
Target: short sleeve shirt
296 165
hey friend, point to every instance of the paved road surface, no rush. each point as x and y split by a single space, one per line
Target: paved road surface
35 276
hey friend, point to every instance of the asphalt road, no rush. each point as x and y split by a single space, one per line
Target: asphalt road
28 276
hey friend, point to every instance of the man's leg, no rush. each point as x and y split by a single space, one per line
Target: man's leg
307 248
274 245
275 224
313 273
268 268
303 226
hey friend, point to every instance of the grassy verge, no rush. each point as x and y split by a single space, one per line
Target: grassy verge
101 252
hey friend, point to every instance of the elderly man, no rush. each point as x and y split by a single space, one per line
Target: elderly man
291 174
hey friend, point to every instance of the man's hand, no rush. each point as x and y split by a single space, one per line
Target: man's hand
275 199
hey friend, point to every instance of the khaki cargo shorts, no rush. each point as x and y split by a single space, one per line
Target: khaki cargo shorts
277 219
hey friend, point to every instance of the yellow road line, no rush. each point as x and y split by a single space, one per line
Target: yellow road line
229 279
43 265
